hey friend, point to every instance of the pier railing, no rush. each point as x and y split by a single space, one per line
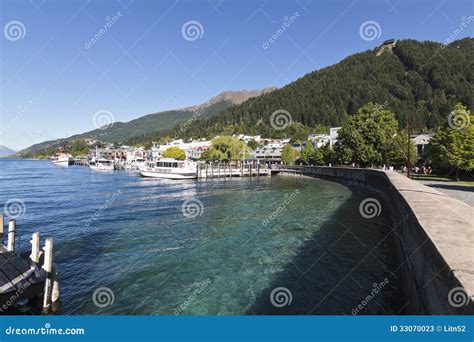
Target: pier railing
32 278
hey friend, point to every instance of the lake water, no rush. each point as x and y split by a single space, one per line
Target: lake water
281 245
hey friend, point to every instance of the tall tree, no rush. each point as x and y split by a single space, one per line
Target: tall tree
452 146
310 155
174 152
366 138
289 155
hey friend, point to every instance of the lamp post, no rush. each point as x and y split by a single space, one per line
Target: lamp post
408 150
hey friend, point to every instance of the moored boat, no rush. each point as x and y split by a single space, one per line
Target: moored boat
61 159
101 165
169 168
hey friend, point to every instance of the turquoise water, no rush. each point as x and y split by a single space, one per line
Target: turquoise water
128 234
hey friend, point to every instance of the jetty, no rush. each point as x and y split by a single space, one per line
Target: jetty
34 278
222 170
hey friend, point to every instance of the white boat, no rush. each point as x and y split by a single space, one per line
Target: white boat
169 168
101 165
61 159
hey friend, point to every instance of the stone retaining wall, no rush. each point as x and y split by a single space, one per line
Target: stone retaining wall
434 237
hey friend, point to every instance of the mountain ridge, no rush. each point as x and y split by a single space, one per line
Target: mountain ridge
154 122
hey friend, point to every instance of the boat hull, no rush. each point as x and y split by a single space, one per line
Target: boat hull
154 174
101 168
62 161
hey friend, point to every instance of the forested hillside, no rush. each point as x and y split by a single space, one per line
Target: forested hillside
421 80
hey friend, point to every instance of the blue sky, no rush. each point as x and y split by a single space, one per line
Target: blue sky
52 81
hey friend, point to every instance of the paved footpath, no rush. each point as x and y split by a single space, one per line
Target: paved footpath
464 193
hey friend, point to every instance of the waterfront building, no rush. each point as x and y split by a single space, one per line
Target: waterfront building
319 140
333 134
421 142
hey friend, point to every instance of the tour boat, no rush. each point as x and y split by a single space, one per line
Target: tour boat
169 168
61 159
101 165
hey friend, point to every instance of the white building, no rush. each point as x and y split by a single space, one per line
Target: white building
247 138
333 134
193 149
319 140
421 142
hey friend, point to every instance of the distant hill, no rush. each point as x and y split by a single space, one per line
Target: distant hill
5 151
128 132
419 80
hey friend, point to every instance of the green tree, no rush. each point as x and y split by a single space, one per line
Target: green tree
366 138
452 146
289 155
329 155
252 144
311 155
226 148
397 154
78 148
174 152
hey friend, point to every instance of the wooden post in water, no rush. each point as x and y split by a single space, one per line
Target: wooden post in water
218 170
11 236
2 227
48 267
206 169
35 248
55 279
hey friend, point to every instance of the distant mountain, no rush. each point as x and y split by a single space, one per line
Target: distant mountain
417 80
128 132
5 151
